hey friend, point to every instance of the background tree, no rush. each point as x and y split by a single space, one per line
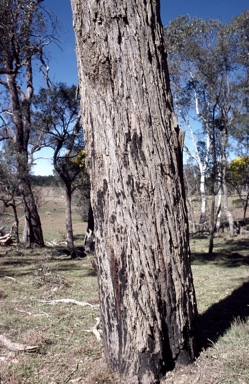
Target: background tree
238 177
24 36
191 182
206 66
188 99
57 115
240 129
135 163
82 194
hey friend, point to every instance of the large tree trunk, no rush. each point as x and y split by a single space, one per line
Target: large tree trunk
32 232
133 154
21 107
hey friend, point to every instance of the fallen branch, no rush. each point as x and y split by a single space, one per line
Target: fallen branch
68 301
17 346
95 330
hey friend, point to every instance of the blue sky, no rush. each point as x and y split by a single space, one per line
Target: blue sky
63 67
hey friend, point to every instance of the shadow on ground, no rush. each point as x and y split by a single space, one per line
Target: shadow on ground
230 260
21 262
218 318
231 253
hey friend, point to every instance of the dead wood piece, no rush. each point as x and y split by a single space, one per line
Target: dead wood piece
12 346
6 239
78 380
12 279
55 243
67 301
32 314
95 329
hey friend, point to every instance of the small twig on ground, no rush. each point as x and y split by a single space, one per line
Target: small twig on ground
68 301
17 346
95 330
198 377
12 279
31 314
68 379
56 243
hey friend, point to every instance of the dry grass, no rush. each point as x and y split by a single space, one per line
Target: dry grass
52 212
59 330
69 354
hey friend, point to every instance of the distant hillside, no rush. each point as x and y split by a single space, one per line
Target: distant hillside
45 181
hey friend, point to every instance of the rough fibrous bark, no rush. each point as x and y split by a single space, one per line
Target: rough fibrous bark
134 159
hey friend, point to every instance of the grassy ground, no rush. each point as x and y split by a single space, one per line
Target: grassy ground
68 353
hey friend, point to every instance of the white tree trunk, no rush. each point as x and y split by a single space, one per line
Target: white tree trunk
203 217
227 212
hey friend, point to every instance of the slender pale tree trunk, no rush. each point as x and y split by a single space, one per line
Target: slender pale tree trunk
68 214
202 163
218 205
203 216
135 163
218 212
212 224
227 212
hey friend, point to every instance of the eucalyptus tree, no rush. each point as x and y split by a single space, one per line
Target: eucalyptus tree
24 37
186 40
241 128
206 71
57 116
134 158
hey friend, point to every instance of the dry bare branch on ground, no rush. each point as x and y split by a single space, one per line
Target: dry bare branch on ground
12 346
68 301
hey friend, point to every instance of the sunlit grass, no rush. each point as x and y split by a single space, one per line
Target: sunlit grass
69 353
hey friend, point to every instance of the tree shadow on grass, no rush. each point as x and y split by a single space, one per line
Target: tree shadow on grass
233 244
218 318
226 259
231 253
16 263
